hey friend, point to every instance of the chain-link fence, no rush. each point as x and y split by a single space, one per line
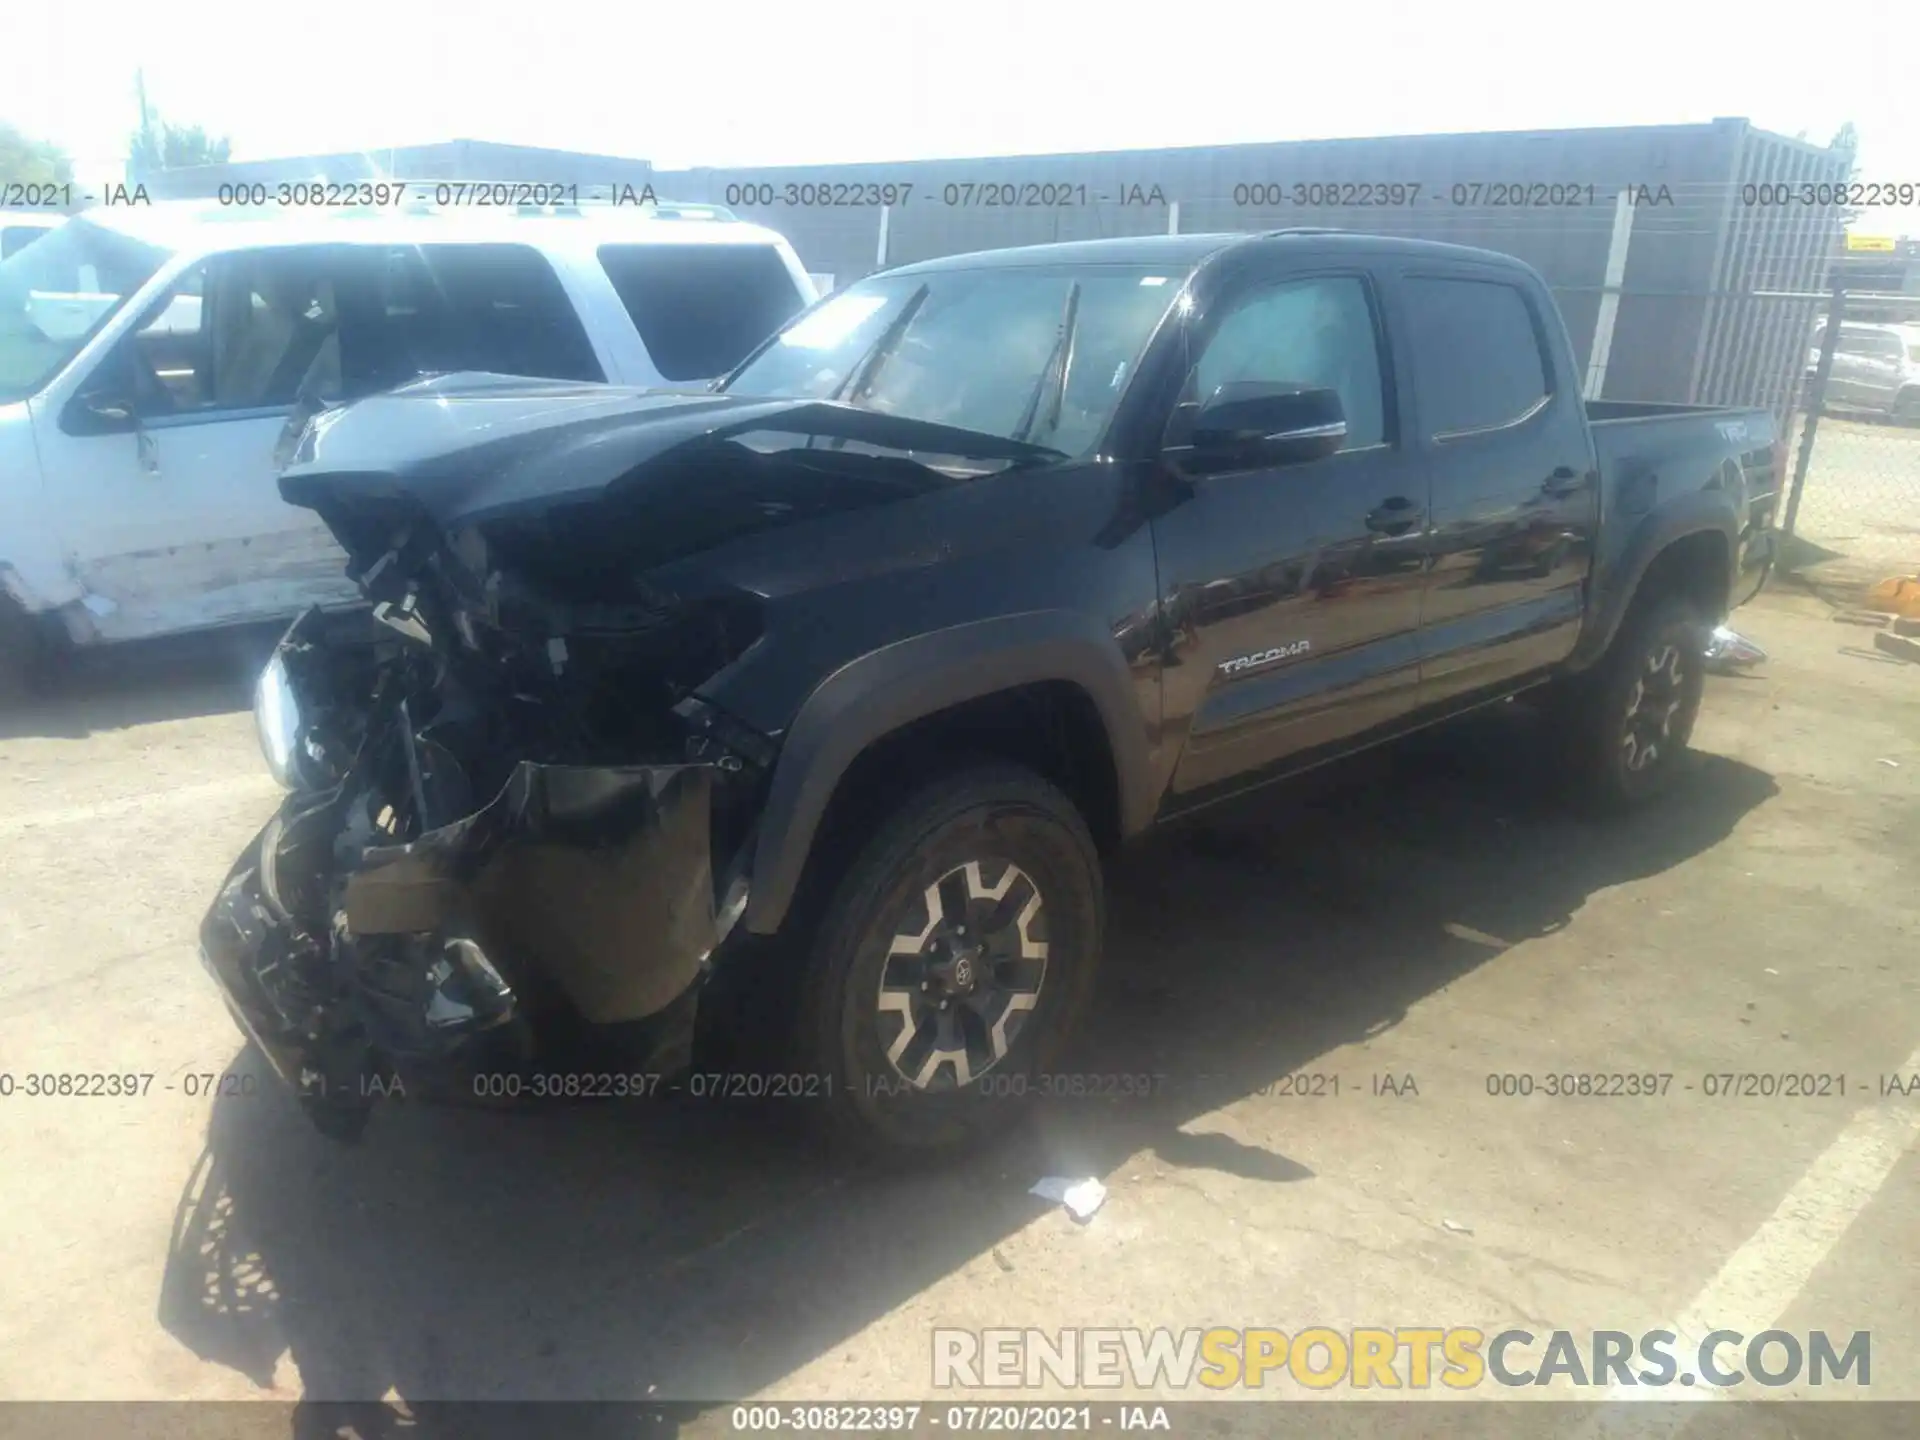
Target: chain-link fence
1854 507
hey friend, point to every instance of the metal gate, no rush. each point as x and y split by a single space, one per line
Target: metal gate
1853 506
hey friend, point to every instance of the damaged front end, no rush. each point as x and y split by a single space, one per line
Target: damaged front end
513 844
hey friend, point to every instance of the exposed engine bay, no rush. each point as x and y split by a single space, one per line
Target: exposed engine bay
517 834
512 828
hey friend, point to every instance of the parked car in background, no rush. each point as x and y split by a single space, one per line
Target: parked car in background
153 358
20 228
1875 368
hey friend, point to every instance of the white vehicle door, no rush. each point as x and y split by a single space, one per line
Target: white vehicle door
162 463
1850 384
1881 370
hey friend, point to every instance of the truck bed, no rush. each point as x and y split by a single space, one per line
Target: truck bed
1647 452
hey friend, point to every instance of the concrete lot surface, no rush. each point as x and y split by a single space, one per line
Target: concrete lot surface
1860 506
1428 915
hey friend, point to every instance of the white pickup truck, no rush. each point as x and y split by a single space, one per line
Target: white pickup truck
153 358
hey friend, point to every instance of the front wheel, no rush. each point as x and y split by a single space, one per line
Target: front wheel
1906 406
1627 723
956 955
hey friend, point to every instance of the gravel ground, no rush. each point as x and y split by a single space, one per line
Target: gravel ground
1427 915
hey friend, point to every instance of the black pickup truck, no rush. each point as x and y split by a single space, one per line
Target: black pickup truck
850 672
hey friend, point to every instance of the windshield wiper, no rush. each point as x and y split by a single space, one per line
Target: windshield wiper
860 378
1051 386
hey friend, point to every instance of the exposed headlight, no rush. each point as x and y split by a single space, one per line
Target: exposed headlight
276 719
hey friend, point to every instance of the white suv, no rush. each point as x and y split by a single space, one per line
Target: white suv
1875 367
152 359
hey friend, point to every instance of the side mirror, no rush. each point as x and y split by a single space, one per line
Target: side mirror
1249 425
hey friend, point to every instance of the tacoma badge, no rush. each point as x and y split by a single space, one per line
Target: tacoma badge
1264 657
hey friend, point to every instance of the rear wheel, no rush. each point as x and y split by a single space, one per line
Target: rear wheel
1906 406
1627 723
956 955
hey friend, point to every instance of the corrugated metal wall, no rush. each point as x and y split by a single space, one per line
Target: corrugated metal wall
449 160
1750 349
1688 325
1679 334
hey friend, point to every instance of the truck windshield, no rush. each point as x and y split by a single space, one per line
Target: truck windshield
57 292
1031 354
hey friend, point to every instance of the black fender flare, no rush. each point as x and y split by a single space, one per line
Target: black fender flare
1617 582
874 695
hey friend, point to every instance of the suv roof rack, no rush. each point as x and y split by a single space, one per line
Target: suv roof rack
1303 230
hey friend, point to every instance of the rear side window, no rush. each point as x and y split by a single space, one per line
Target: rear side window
700 308
1477 362
485 307
1880 344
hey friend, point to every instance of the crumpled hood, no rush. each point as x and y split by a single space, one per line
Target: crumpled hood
471 448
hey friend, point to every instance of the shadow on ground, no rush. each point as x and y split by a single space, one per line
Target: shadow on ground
178 678
681 1251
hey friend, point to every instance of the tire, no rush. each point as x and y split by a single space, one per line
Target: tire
1627 723
24 654
1906 407
1013 871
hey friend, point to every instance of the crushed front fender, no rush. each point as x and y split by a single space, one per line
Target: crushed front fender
600 879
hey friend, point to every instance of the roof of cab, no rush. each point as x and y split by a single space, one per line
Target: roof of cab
207 227
1186 251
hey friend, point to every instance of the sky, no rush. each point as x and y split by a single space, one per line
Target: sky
753 82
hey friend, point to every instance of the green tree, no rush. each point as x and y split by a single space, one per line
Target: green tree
164 146
161 145
26 161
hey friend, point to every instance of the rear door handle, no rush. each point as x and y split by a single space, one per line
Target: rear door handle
1394 517
1564 481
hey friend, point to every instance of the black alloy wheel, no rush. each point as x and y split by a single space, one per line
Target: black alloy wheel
955 957
1628 722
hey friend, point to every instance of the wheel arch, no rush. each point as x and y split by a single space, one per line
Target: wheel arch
973 688
1687 548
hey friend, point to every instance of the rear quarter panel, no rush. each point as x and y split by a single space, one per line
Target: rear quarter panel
1667 472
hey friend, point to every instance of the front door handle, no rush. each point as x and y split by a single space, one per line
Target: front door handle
1394 517
1564 481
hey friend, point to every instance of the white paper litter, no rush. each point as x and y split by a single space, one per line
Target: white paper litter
1081 1197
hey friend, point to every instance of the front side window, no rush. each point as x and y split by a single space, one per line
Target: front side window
1314 333
699 308
1477 360
1040 355
270 329
247 331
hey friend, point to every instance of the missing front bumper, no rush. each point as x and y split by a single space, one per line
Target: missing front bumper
591 889
598 880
